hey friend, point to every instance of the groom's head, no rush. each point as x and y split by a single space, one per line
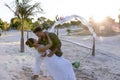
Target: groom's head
38 32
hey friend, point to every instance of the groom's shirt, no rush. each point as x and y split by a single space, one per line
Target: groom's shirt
56 43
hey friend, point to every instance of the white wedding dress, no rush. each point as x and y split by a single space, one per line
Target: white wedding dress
59 67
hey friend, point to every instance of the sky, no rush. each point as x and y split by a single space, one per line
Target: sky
85 8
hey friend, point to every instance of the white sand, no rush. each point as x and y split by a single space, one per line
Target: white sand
105 65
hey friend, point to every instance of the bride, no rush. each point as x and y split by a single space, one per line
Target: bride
58 67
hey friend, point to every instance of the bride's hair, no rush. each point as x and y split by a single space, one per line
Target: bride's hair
30 42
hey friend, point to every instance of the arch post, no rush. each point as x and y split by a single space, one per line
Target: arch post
93 48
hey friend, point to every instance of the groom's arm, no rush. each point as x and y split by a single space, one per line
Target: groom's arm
52 52
43 49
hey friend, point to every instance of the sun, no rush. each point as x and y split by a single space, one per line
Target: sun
98 18
99 14
104 8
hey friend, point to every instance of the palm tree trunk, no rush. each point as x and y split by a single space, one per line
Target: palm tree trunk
22 37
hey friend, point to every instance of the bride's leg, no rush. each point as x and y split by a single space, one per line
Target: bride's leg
37 64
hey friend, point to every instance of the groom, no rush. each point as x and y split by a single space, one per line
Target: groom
42 39
55 48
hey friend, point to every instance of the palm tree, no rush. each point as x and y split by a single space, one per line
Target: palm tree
15 23
23 10
42 20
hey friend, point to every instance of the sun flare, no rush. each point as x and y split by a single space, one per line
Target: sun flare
99 18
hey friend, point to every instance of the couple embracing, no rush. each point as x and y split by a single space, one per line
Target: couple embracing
48 45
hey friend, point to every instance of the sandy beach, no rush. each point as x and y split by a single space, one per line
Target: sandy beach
105 65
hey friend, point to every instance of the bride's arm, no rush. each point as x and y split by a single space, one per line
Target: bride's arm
51 53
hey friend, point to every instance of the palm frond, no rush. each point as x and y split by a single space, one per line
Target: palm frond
9 8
